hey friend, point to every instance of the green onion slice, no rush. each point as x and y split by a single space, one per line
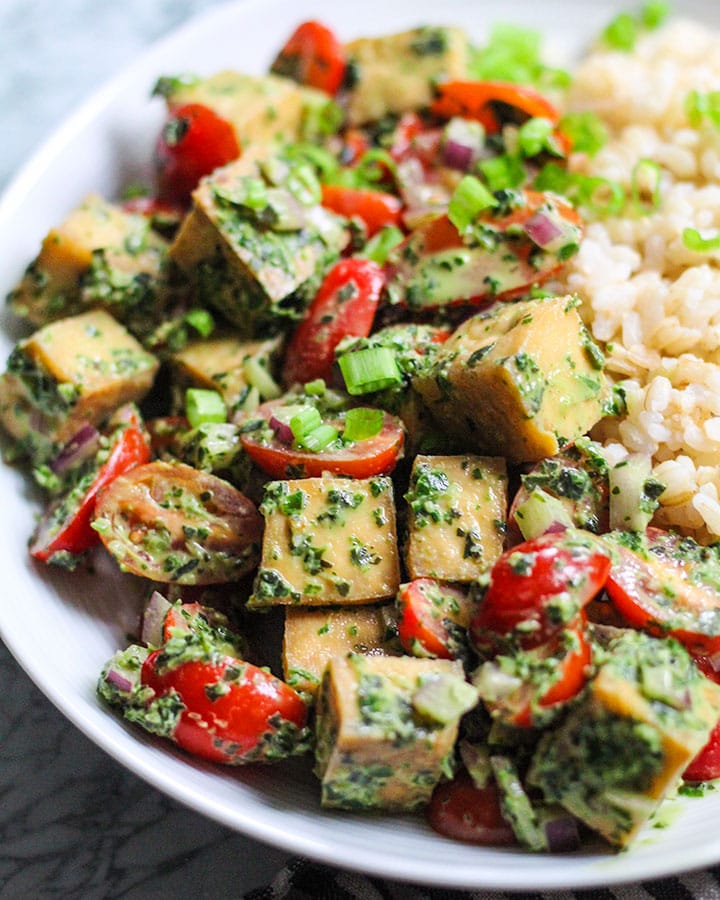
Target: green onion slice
645 185
200 320
203 405
362 422
305 420
370 369
319 438
469 199
502 173
380 244
693 240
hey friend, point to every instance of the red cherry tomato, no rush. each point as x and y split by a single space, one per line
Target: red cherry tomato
313 56
483 100
362 459
660 588
67 524
706 765
344 306
529 580
375 208
571 672
433 617
194 142
231 707
463 812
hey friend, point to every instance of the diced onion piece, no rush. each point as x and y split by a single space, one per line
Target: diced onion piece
562 833
153 620
463 143
81 446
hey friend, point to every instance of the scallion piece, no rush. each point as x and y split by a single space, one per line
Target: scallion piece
601 196
654 13
201 321
700 106
305 420
258 376
362 423
502 173
469 199
586 131
693 240
203 405
380 244
315 388
645 185
535 136
303 184
319 438
370 369
621 33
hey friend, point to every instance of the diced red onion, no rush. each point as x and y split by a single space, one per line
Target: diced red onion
282 430
80 447
119 681
555 528
562 834
153 620
542 230
458 156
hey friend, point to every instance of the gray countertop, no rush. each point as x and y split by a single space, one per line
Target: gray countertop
73 823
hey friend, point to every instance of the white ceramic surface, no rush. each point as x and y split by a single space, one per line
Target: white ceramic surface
62 628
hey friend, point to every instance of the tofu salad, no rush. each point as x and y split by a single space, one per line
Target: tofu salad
334 390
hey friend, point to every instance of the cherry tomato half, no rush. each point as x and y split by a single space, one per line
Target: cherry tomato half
67 524
433 617
377 455
375 208
232 708
461 811
660 588
529 581
314 56
344 306
194 142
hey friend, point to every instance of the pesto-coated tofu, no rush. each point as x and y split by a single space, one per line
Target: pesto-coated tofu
68 373
519 381
264 109
247 246
646 714
397 72
224 363
314 635
375 749
328 541
100 256
456 513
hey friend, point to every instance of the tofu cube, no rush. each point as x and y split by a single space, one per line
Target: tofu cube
100 256
328 541
74 371
221 363
397 72
314 635
646 714
374 750
519 381
247 269
265 109
457 507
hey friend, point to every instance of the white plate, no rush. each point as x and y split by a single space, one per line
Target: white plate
62 628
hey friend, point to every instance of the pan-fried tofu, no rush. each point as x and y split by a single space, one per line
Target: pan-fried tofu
456 515
68 373
375 748
328 541
519 381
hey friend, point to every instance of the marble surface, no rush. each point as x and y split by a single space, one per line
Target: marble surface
73 823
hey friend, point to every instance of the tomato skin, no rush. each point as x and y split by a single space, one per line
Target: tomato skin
344 306
75 535
461 811
375 208
706 765
313 56
661 594
375 456
426 627
523 583
572 677
475 100
194 142
230 728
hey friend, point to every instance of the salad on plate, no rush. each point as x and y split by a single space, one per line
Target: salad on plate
397 392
